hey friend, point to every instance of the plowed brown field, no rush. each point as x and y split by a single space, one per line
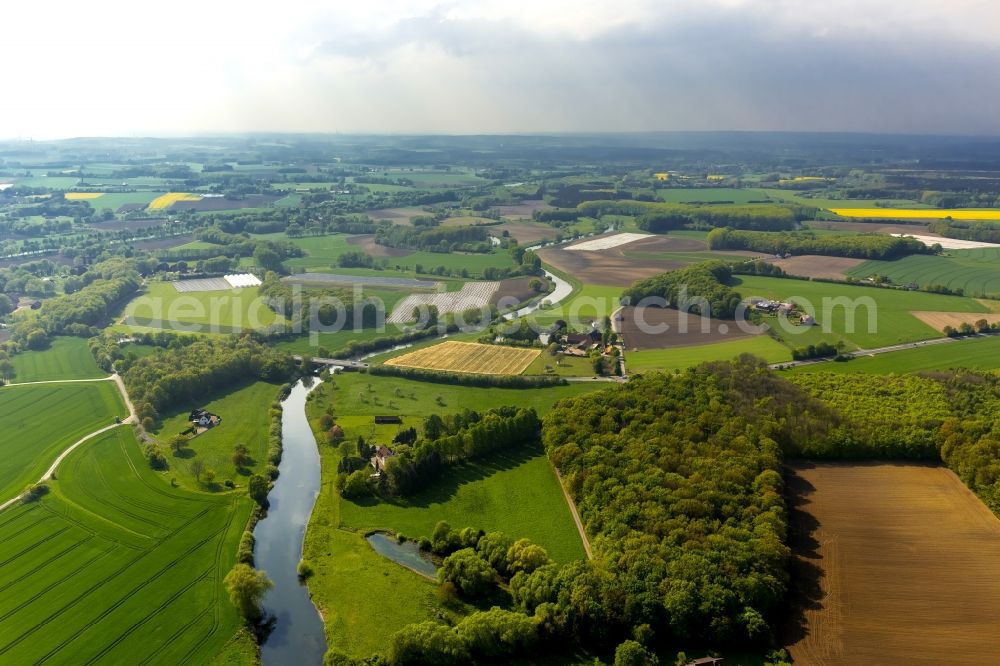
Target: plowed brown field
894 564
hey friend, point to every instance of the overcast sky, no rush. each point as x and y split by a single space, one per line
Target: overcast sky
126 68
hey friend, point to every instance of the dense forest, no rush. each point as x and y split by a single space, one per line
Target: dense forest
867 246
699 289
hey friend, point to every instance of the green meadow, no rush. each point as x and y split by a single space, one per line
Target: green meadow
114 566
231 310
678 358
65 358
43 420
245 420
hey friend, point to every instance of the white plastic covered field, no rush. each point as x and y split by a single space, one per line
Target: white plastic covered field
608 242
471 295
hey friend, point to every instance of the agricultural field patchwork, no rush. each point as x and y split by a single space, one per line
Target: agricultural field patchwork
115 566
468 357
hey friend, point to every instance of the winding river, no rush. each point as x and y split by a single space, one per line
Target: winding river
297 637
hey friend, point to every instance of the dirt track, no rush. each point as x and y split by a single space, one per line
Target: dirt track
895 564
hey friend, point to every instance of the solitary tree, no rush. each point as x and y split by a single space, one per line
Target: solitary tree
197 467
177 443
240 456
246 588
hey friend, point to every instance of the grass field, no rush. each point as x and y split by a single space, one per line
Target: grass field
115 566
982 353
517 494
115 200
245 421
915 580
469 357
39 422
711 194
890 318
211 311
977 272
82 196
66 358
514 492
679 358
561 366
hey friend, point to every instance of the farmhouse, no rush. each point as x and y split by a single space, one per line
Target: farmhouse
807 320
204 419
382 454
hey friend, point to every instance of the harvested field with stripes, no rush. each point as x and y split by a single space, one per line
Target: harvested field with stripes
895 563
938 320
471 295
469 357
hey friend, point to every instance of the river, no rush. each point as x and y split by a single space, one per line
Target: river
297 637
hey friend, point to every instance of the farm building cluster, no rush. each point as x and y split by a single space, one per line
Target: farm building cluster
783 308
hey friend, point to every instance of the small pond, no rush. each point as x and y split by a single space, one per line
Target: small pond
407 553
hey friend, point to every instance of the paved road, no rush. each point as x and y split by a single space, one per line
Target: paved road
874 352
72 447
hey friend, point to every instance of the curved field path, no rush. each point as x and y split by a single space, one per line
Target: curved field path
72 447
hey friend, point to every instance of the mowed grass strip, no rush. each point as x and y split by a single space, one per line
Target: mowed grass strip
66 358
38 422
468 357
115 566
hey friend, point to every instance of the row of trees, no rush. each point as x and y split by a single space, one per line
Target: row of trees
435 239
659 217
414 467
866 246
983 231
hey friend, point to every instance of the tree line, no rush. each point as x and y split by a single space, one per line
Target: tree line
865 246
657 217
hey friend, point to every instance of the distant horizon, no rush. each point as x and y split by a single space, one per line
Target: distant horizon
473 134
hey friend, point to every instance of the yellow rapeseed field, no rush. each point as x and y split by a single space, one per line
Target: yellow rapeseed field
919 214
170 198
72 196
471 357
